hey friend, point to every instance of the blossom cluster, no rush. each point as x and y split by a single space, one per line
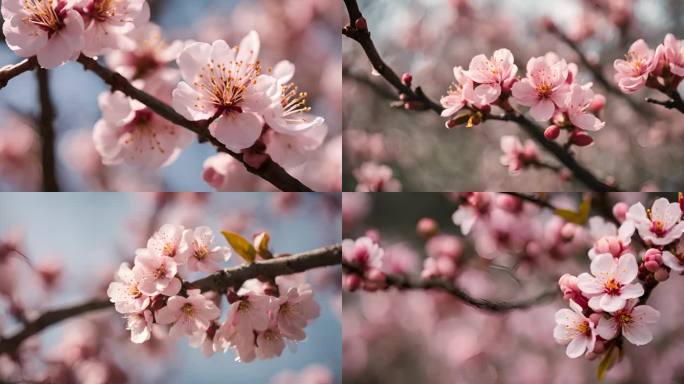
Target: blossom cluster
661 69
261 113
261 317
550 89
609 303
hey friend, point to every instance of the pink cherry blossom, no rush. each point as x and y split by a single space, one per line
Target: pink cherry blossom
204 339
674 54
155 273
49 29
608 238
224 173
577 104
270 343
490 75
107 22
169 241
202 255
544 88
125 294
293 149
374 177
188 314
363 252
140 325
467 215
574 329
632 322
456 95
289 112
295 310
218 79
245 316
632 73
661 225
675 261
611 284
568 285
131 133
516 155
147 54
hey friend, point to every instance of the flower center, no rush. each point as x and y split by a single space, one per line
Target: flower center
625 318
224 85
187 309
133 291
169 249
43 14
201 252
544 89
583 328
160 272
104 9
293 101
612 287
636 61
658 227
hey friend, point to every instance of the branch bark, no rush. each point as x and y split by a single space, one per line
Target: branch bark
408 283
46 128
269 171
421 102
11 71
219 282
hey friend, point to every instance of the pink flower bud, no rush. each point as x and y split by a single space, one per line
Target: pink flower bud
661 274
427 227
375 275
591 356
361 24
620 211
581 139
568 231
651 265
351 282
444 246
599 346
597 103
374 235
552 132
568 283
509 203
406 78
446 267
653 254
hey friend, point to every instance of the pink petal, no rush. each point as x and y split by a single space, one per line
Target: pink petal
237 130
543 110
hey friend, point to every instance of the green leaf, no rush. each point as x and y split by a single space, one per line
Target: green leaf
580 217
241 246
610 357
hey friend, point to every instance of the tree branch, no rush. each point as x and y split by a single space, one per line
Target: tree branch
674 103
11 71
219 282
46 129
269 171
407 283
421 102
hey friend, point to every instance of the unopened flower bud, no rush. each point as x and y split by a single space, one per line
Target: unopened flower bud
552 132
509 203
427 227
361 24
661 274
351 282
620 211
597 103
406 78
375 275
581 139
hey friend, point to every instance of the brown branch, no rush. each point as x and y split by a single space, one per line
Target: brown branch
269 171
421 102
11 71
674 103
219 282
46 129
408 283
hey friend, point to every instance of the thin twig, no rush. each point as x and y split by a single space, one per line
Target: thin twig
11 71
269 171
421 102
46 127
674 103
219 282
408 283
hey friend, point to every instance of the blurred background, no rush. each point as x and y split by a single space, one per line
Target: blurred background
76 242
429 37
418 336
306 32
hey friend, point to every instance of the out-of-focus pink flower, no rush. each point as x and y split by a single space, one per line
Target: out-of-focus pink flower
148 53
204 339
49 29
218 79
632 73
125 294
188 314
608 238
632 322
444 246
399 259
295 310
373 177
491 75
674 54
19 151
544 88
129 132
478 206
456 95
312 374
661 225
577 104
516 155
362 252
107 22
224 173
248 314
574 329
294 148
140 325
202 256
155 274
611 284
